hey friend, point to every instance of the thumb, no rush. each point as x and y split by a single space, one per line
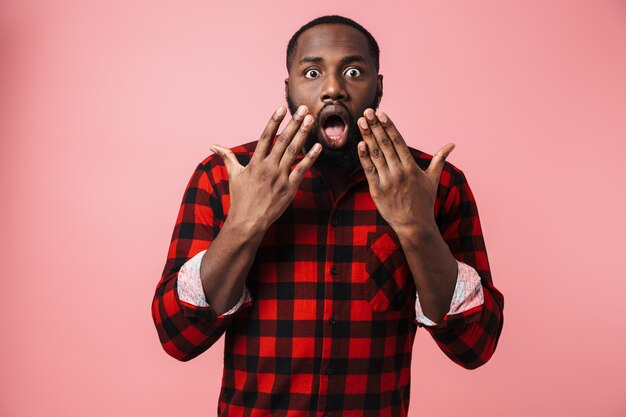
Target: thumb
439 158
230 160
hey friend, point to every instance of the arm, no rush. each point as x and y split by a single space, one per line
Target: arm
186 330
469 333
230 226
405 195
469 337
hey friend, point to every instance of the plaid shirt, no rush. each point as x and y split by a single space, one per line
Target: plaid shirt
329 323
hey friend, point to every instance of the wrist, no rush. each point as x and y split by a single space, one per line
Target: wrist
420 229
245 228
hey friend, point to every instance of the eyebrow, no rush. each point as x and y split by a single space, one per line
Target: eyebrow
345 60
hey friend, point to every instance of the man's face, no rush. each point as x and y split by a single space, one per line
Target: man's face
334 75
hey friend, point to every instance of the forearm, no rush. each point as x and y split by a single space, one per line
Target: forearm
226 264
433 267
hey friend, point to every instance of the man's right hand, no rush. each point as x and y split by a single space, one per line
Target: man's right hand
261 191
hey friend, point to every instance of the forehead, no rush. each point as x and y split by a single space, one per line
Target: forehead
330 41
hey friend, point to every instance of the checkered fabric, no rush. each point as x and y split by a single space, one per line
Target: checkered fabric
330 327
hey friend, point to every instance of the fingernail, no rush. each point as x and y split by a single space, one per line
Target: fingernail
307 120
301 111
279 113
317 147
382 117
369 114
363 124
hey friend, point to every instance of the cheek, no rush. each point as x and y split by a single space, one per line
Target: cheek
303 94
367 92
365 99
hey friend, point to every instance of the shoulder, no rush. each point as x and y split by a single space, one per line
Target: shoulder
211 172
450 175
242 152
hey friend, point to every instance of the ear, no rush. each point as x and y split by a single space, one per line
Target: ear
286 88
379 83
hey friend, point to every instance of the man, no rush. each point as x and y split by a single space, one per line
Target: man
320 251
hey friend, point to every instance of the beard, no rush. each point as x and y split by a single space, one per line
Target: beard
344 160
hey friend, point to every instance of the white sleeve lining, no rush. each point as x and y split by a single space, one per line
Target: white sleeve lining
468 293
190 285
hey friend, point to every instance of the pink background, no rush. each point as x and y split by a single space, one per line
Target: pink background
107 107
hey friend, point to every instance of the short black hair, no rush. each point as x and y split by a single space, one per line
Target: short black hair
333 19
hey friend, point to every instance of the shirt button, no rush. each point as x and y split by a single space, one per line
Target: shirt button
334 222
329 370
333 271
332 321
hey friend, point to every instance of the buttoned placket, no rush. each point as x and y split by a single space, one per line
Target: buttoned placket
333 273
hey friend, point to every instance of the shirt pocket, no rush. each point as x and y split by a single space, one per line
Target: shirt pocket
389 285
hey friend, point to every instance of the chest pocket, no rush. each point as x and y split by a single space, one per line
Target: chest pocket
389 285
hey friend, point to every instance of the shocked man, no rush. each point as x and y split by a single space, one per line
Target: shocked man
321 250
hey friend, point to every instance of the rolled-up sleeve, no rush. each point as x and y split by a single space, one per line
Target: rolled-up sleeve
468 293
190 286
469 333
185 328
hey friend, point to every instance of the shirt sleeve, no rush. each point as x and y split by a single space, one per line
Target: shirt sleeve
468 336
190 285
186 329
468 293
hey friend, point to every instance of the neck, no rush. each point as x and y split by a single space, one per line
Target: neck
336 177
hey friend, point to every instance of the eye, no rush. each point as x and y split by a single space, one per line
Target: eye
312 73
352 72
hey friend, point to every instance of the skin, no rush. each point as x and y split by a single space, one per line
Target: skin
404 194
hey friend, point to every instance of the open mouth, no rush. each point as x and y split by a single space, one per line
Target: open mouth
334 126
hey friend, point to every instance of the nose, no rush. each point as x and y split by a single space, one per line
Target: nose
333 89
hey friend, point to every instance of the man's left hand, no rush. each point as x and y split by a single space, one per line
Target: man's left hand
403 193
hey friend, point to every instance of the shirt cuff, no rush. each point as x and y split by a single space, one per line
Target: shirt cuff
468 293
190 285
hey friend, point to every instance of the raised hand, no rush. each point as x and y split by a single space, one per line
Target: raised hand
404 194
261 191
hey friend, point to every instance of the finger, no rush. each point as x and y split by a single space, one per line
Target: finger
268 134
284 139
296 144
439 158
400 146
376 155
382 138
368 166
303 166
230 160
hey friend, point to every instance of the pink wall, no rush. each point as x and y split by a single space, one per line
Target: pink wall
107 107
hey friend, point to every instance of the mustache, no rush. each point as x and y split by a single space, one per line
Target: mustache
351 117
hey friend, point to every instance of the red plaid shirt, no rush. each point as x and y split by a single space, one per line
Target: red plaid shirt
330 325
